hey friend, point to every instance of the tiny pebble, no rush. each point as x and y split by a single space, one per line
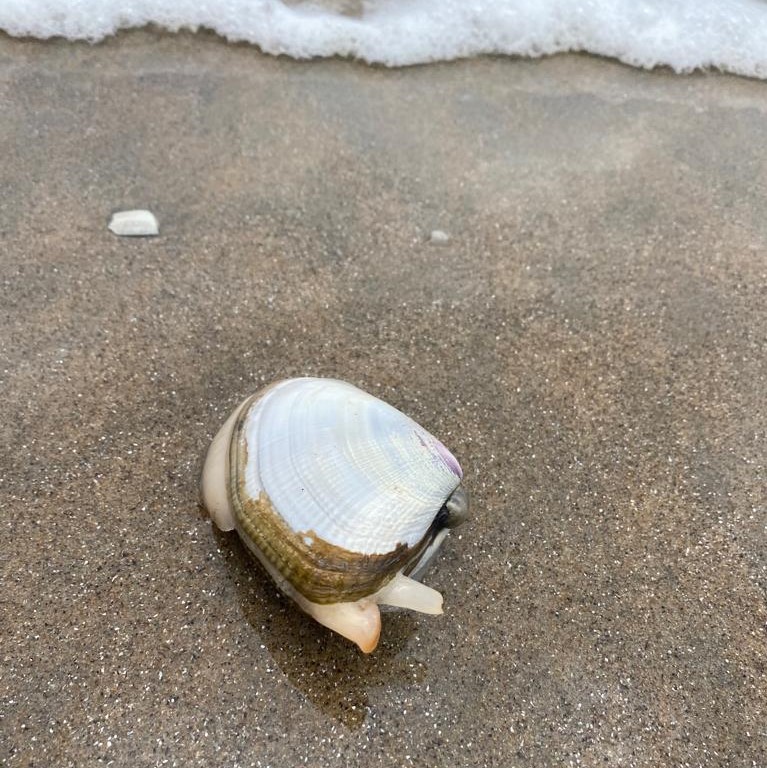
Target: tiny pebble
139 223
438 237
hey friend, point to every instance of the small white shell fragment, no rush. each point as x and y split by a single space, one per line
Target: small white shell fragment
438 237
138 223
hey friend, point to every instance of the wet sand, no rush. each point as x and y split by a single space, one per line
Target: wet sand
590 343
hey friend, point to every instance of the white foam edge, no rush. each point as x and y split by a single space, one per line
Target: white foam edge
687 34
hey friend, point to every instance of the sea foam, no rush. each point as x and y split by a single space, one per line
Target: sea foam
730 35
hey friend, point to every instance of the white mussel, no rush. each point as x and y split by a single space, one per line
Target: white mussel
342 498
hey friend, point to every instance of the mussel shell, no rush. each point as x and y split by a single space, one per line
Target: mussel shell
335 489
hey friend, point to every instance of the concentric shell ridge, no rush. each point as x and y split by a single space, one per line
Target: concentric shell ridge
339 464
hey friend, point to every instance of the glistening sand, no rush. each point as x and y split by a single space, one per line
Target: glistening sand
590 343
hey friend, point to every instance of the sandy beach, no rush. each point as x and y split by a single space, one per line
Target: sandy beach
590 342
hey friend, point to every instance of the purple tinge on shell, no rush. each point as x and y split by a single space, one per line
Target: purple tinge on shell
449 459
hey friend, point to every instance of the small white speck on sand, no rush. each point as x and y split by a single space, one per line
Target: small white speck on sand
438 237
138 223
